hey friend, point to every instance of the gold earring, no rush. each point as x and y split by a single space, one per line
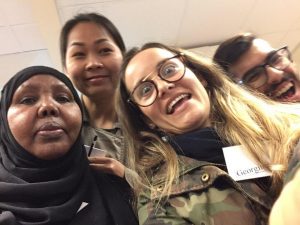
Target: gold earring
152 126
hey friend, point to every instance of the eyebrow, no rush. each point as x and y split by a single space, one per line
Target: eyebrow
98 41
35 87
270 55
157 68
144 79
266 61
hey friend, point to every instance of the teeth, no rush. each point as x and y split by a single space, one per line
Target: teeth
283 90
175 101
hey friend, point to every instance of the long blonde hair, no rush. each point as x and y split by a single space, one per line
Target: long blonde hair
267 130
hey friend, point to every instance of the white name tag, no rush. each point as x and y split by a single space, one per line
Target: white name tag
241 165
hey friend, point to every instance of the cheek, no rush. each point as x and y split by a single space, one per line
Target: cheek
293 69
114 62
75 76
74 73
152 114
73 70
19 123
114 66
73 116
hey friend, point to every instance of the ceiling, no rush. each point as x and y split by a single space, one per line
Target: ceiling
29 29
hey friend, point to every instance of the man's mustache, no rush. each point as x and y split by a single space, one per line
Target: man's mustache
285 77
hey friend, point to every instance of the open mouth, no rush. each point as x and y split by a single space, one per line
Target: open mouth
286 92
177 102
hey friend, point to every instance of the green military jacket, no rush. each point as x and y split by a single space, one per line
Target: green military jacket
204 194
112 142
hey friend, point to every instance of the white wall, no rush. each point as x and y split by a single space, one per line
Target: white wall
43 16
296 56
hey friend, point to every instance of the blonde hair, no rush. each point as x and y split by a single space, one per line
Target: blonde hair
266 129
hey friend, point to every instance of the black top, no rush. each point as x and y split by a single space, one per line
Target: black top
203 144
57 192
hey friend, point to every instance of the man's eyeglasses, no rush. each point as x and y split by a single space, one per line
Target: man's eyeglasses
169 70
256 77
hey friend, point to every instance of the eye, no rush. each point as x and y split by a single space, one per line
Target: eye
275 59
78 55
63 99
168 70
145 90
28 100
105 51
254 75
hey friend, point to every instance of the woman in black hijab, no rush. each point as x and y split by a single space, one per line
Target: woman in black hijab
44 172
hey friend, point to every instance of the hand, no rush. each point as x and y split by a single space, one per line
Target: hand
107 165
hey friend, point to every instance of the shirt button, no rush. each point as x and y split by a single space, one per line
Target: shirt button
205 177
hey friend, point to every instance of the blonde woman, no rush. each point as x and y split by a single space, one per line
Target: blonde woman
178 112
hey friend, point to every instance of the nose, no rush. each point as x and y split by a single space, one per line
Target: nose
274 75
163 86
48 108
93 63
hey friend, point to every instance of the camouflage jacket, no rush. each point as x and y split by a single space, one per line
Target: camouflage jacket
204 194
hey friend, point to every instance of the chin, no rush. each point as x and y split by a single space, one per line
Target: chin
52 152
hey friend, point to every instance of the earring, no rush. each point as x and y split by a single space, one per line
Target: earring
165 138
152 126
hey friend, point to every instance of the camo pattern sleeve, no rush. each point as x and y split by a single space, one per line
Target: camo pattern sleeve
203 195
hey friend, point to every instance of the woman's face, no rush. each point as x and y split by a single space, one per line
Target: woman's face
44 117
93 60
181 106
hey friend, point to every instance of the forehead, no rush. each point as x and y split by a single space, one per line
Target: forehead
262 45
86 31
256 55
144 63
39 81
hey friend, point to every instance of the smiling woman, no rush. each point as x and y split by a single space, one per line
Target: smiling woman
178 111
44 172
92 52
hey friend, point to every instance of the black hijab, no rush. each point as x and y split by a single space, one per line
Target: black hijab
32 190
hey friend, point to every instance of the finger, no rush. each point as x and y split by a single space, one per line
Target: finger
101 167
112 166
100 159
109 168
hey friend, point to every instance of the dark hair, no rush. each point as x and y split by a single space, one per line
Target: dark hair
98 19
232 49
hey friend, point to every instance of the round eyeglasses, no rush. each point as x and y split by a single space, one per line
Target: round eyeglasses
256 77
169 70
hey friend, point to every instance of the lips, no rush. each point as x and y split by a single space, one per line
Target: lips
284 91
97 77
50 130
176 102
